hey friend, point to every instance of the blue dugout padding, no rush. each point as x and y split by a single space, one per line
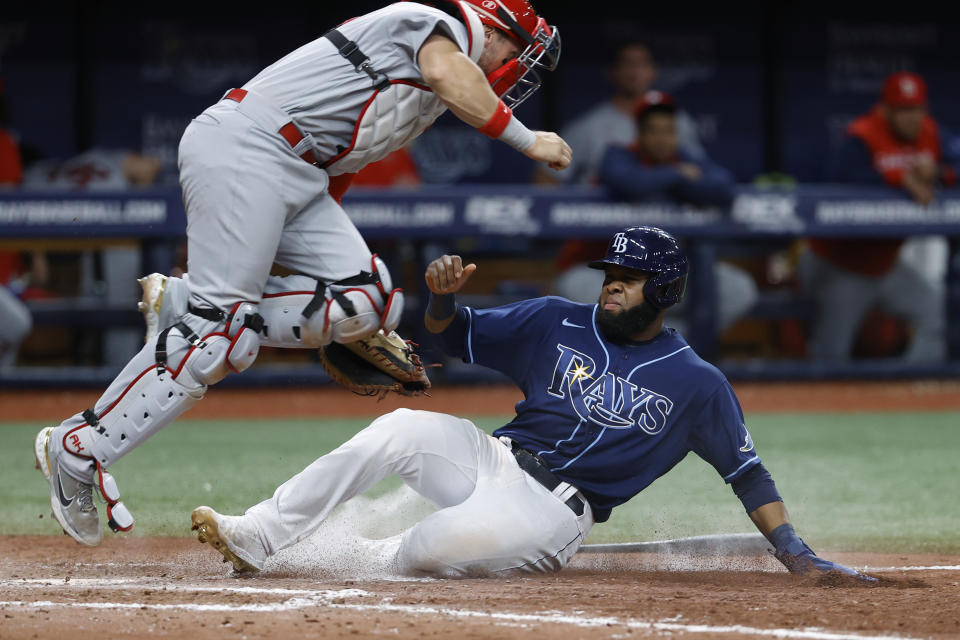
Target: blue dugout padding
500 213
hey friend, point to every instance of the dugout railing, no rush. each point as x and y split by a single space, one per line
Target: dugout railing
504 216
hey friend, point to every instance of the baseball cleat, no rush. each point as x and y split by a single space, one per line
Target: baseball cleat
227 535
151 303
71 500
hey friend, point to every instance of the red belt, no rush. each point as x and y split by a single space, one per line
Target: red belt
289 131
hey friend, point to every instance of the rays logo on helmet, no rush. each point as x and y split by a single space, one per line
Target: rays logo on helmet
619 243
652 250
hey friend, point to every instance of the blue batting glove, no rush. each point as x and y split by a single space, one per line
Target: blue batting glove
800 559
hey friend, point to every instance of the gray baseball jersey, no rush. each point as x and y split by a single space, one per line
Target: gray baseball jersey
327 97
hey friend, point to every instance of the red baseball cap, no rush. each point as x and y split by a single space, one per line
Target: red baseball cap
904 89
654 99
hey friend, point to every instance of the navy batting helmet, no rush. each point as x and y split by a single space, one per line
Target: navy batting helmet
656 252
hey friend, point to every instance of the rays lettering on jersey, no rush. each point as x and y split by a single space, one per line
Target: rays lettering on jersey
607 400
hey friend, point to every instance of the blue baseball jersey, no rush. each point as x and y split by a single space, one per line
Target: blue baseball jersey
607 418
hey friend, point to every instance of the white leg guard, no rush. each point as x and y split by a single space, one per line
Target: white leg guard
160 393
152 402
282 319
167 377
283 300
300 312
353 308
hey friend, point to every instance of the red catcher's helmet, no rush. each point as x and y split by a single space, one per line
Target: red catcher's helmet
518 79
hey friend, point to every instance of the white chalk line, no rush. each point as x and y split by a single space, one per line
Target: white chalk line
161 585
286 605
332 599
948 567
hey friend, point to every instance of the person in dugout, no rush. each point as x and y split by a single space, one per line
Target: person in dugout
657 168
899 144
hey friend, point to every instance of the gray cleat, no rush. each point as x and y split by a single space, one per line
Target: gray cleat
70 499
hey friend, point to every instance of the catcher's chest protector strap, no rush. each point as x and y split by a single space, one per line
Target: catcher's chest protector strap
161 349
207 313
362 278
349 50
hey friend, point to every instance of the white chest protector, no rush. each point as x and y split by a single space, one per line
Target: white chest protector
392 118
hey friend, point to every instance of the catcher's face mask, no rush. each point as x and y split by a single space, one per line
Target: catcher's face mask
516 80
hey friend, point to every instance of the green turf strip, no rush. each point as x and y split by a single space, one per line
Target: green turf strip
878 482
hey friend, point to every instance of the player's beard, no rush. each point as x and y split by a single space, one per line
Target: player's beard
621 327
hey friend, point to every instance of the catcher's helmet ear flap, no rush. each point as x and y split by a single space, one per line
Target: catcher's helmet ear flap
656 252
518 79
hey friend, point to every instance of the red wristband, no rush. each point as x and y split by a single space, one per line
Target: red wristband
498 121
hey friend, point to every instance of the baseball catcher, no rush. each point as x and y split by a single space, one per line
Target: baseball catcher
612 401
262 173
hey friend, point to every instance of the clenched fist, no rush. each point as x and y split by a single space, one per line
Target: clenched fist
550 148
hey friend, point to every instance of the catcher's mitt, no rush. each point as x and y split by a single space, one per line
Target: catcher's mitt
376 365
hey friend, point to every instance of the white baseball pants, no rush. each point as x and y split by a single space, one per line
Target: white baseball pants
843 299
492 515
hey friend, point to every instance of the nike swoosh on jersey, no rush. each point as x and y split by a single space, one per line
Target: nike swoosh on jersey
63 499
567 323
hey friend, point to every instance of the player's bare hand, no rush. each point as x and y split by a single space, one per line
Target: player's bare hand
925 170
550 148
447 274
921 190
690 171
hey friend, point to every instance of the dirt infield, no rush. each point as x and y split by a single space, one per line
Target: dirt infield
332 401
174 587
138 587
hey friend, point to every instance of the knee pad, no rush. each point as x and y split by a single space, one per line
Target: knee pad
243 329
352 308
233 350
